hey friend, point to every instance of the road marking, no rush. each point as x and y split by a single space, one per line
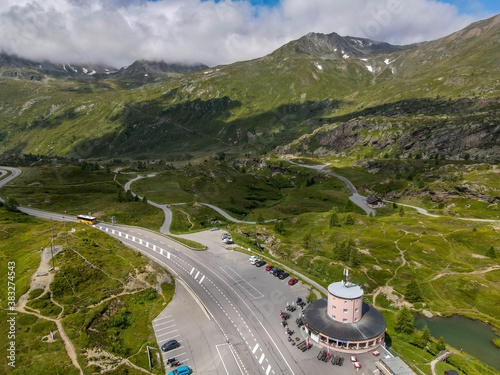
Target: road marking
191 271
165 334
197 275
170 321
202 277
168 254
255 348
261 358
223 364
164 317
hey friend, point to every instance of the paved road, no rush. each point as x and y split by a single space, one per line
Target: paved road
356 198
242 300
14 172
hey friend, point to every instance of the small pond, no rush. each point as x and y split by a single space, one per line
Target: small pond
472 336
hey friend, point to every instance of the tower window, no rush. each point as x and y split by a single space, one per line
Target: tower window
346 311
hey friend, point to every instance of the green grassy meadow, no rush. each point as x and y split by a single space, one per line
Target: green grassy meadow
72 190
92 270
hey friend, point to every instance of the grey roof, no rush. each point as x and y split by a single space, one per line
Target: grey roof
345 290
370 326
397 366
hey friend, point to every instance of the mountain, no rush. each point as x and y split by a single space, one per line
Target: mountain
322 94
334 46
141 72
18 67
141 67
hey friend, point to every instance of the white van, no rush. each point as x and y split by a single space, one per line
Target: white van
253 259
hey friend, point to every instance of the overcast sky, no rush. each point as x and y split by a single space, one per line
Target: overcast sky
117 32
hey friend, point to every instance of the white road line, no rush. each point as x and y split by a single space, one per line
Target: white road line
268 369
170 321
164 317
202 277
255 348
223 364
197 275
191 271
166 334
168 255
261 358
172 337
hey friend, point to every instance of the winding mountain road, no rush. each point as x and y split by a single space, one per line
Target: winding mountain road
238 325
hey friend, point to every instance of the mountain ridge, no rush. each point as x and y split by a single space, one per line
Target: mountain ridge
269 102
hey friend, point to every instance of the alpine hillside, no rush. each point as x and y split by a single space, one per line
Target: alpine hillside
320 94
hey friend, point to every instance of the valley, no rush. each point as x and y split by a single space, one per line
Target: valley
332 157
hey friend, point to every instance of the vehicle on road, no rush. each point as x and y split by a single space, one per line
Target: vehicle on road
293 281
283 275
170 345
214 229
260 263
254 261
269 267
86 219
184 370
225 235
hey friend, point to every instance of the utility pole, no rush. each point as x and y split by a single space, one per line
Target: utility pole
64 220
52 243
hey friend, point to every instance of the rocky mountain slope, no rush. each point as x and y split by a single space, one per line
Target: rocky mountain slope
319 94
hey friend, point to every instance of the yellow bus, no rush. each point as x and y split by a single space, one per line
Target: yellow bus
86 219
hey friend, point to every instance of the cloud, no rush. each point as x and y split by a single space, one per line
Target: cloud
117 32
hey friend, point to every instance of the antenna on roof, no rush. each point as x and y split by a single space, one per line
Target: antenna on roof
346 274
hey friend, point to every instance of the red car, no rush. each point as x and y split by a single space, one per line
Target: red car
269 267
293 281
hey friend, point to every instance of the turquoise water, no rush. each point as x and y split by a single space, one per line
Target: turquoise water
472 336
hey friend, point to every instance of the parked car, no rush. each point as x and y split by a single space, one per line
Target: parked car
276 271
254 261
184 370
269 267
227 240
260 263
225 235
214 229
293 281
170 345
283 275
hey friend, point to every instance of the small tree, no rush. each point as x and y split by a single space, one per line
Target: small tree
491 252
144 199
11 204
404 321
440 346
349 220
401 211
260 218
334 220
279 227
349 206
412 293
121 198
425 338
394 205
